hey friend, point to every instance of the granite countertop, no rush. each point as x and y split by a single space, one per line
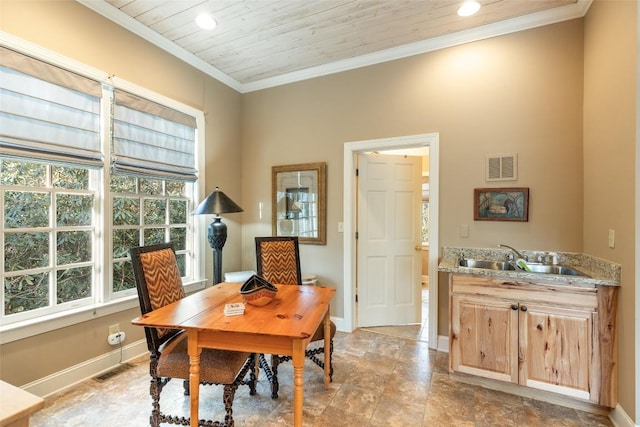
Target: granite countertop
600 272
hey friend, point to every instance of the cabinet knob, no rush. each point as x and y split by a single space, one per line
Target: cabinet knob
514 306
523 308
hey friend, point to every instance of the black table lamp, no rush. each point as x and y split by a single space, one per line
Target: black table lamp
217 203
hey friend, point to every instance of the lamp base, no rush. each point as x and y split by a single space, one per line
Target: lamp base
217 239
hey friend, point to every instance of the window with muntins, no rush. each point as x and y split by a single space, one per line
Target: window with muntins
65 210
146 212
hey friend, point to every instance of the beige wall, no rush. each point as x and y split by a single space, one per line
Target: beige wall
520 93
609 163
70 29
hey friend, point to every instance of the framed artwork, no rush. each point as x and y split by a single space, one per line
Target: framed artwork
298 200
501 204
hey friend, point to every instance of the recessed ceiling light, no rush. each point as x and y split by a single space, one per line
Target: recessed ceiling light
206 21
468 8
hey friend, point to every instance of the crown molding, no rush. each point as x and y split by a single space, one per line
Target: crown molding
526 22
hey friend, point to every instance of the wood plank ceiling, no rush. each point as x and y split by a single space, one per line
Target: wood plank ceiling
262 40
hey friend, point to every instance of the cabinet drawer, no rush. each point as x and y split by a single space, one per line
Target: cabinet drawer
566 296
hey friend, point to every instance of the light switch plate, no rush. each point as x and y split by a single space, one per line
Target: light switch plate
612 239
464 230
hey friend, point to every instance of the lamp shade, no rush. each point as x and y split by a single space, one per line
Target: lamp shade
217 203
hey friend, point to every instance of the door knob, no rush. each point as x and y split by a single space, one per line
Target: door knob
417 248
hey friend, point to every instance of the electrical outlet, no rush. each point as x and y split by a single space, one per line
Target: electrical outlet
114 329
117 338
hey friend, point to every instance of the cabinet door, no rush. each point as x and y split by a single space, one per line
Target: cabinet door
556 349
484 337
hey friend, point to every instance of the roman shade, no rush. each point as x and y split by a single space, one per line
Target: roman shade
48 113
152 140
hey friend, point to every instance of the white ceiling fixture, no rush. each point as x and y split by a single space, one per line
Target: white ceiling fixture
206 21
267 43
468 8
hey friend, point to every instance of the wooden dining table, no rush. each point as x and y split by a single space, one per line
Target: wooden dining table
285 326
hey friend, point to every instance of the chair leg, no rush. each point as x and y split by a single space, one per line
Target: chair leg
154 390
228 396
275 386
313 356
331 361
252 366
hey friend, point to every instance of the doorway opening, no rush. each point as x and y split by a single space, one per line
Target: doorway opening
351 151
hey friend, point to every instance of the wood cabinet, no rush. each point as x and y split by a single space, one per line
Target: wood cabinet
484 337
542 336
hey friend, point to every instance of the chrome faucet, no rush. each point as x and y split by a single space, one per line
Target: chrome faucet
500 245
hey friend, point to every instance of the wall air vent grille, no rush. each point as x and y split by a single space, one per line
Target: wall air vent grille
502 167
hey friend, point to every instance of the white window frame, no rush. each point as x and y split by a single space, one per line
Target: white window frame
52 229
104 303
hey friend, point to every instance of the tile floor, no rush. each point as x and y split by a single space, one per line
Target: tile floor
380 380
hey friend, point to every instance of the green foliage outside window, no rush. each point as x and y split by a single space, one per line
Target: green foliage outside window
155 211
23 174
32 272
49 231
145 212
151 186
25 251
26 209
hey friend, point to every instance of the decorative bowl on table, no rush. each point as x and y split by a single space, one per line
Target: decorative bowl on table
257 291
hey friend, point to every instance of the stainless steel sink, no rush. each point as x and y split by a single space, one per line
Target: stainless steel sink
489 265
535 267
554 269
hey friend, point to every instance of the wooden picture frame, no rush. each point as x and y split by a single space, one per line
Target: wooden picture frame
299 202
501 204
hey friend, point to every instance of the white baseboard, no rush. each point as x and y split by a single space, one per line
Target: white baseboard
620 418
67 378
340 324
443 343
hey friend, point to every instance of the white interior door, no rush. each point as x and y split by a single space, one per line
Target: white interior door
389 240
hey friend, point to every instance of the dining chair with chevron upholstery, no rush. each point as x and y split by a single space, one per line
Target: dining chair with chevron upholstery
159 283
278 262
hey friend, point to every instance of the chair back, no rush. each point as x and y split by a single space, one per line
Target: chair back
159 283
278 260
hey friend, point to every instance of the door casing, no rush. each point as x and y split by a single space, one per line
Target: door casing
351 149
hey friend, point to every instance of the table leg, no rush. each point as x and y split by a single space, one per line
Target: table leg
327 349
194 376
298 382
